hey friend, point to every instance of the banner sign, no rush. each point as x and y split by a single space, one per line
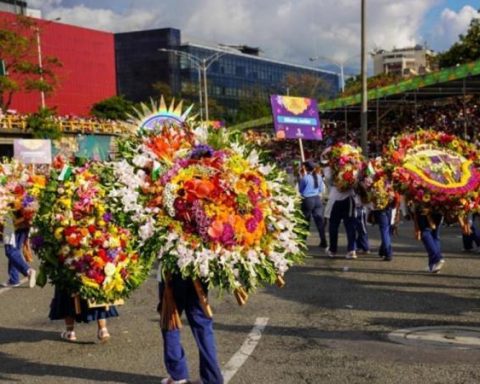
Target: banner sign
94 147
32 151
296 118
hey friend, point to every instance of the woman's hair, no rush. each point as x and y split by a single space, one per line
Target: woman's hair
310 168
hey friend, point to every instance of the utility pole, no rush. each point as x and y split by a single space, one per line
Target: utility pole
364 116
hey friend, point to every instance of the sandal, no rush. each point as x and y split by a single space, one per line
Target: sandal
103 334
69 336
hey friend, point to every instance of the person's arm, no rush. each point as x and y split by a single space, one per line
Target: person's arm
302 184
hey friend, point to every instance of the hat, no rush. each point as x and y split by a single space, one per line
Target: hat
309 165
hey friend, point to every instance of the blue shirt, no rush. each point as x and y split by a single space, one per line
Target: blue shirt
306 185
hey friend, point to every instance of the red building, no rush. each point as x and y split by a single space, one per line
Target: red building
87 74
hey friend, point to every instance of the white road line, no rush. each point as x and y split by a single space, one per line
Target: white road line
247 348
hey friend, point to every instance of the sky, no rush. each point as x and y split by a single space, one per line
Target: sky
287 30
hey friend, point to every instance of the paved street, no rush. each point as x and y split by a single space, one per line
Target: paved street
329 324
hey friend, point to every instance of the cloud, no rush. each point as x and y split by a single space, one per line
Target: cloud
287 30
451 25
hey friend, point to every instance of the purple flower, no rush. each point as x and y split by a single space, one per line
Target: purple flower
201 151
257 214
37 242
107 217
27 200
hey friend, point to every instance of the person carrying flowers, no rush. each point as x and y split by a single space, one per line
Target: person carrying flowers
345 165
310 187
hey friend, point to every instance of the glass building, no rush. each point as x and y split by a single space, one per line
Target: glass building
233 74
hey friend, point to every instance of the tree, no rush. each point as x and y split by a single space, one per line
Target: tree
23 72
114 108
256 105
43 124
306 85
353 85
465 50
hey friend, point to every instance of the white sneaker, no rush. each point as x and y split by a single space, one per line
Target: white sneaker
437 266
32 278
168 380
351 255
330 254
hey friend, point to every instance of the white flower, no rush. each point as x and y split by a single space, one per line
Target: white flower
109 269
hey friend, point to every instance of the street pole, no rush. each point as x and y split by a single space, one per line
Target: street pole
200 97
205 89
342 78
364 122
40 66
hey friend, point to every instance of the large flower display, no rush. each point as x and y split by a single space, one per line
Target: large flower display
347 164
218 213
20 189
85 236
377 184
436 169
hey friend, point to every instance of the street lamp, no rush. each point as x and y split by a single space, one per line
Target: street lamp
40 63
339 64
202 65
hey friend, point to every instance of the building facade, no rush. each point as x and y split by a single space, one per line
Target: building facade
403 62
87 71
232 74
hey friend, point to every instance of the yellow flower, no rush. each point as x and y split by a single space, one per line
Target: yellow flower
58 233
89 282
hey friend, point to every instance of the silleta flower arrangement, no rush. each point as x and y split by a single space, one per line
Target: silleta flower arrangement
377 184
436 169
219 214
84 236
20 189
347 164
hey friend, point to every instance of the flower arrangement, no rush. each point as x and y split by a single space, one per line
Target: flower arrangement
436 169
347 164
218 214
377 184
83 236
20 189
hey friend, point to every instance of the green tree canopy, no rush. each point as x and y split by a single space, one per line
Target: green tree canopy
465 50
114 108
43 124
19 52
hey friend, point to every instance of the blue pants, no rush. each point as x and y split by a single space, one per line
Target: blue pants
474 237
431 237
312 207
361 240
175 360
16 262
342 210
383 217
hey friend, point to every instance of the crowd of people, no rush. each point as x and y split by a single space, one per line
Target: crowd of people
11 120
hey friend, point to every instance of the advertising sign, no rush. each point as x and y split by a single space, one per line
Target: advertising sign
32 151
296 118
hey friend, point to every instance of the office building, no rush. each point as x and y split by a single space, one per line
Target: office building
232 73
403 62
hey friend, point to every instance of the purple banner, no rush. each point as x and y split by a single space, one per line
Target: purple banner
296 118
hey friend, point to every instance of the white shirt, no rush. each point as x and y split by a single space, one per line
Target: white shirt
334 194
9 231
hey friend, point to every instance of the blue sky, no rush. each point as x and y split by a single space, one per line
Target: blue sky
286 30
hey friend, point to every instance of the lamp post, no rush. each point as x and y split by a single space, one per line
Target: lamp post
40 62
339 64
364 116
202 65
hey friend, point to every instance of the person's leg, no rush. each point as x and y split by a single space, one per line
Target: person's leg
69 333
102 330
317 214
383 220
361 240
202 329
16 264
428 240
174 356
333 224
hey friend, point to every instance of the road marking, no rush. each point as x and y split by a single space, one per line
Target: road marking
247 348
